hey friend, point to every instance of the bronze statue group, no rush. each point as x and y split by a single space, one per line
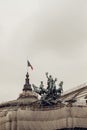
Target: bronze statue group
50 95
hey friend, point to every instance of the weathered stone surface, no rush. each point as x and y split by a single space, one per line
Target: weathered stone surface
26 119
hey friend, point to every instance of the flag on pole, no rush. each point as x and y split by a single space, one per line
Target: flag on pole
29 65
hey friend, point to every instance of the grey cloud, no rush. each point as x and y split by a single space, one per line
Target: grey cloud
51 33
58 26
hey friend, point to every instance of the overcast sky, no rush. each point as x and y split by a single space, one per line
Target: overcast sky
52 34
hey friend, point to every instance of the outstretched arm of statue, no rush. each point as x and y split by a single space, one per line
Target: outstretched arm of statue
47 74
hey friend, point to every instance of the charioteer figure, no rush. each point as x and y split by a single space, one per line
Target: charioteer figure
50 81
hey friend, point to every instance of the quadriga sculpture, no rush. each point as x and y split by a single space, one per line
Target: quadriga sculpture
50 95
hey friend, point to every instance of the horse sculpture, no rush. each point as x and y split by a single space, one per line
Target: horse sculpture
50 95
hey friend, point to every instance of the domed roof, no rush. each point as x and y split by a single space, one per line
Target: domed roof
27 93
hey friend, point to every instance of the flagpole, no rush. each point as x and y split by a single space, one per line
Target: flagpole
27 65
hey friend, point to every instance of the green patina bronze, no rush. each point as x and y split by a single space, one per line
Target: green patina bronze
51 94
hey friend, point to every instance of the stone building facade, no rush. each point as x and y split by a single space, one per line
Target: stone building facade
25 114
